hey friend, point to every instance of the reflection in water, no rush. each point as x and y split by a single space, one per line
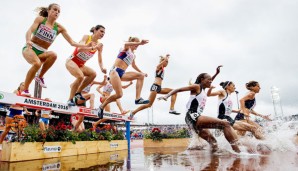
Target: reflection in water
161 159
109 161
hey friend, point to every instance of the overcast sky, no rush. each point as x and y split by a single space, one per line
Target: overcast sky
253 40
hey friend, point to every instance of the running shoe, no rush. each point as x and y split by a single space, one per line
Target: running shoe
40 82
71 103
26 93
131 116
174 112
141 101
79 96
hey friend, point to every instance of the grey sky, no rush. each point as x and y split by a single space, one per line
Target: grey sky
254 40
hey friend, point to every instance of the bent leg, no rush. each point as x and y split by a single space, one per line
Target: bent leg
242 126
129 76
152 97
116 83
89 74
210 122
75 71
48 59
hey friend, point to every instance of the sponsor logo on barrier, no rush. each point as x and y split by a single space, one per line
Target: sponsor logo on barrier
1 96
53 166
114 156
113 145
52 149
45 104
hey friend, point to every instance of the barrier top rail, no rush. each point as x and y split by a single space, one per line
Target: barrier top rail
42 104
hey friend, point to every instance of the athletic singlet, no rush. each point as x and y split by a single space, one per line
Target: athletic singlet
126 56
108 88
87 89
45 33
196 103
160 73
250 104
44 112
80 58
225 105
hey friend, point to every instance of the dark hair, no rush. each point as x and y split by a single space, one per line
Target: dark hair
224 85
251 84
200 77
97 27
43 11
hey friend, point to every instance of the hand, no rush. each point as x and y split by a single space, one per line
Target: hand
266 117
99 45
162 98
144 42
29 44
105 76
218 69
130 82
145 74
103 70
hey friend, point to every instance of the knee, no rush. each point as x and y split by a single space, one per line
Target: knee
93 75
140 76
80 78
119 95
37 64
53 56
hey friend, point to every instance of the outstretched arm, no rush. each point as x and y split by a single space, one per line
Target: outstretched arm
193 87
63 31
137 68
216 93
217 72
262 116
158 67
127 44
100 63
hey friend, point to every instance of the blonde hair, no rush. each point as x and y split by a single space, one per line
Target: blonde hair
161 58
133 39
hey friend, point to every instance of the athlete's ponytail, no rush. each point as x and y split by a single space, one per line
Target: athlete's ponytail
43 11
224 85
200 77
97 27
251 84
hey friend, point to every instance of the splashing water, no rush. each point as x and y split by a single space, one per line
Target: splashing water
279 136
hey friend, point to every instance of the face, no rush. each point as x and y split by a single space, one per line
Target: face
256 88
22 85
231 87
100 32
54 11
165 64
206 81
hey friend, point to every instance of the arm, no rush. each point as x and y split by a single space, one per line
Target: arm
66 36
193 87
262 116
98 89
217 72
26 111
158 67
249 96
37 112
216 93
136 68
125 86
100 63
127 44
31 29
